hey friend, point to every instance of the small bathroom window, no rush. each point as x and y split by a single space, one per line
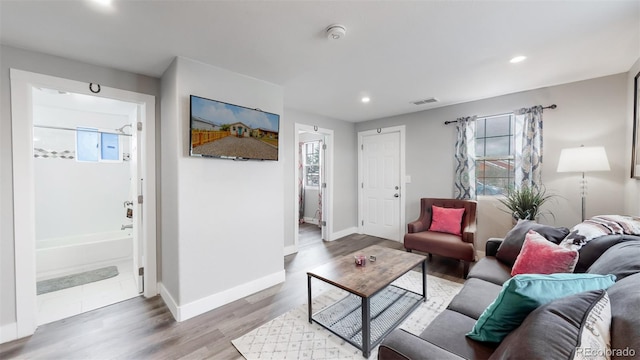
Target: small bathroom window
110 147
87 144
95 146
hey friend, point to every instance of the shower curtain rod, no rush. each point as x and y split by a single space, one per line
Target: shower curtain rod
552 106
73 129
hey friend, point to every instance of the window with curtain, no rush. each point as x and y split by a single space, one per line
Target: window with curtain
495 154
311 164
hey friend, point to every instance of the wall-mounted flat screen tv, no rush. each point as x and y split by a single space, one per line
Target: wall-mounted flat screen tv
227 131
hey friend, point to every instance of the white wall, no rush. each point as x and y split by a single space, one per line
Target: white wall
230 214
345 197
74 198
632 186
11 57
311 205
169 156
591 112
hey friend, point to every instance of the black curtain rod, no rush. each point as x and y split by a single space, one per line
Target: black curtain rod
552 106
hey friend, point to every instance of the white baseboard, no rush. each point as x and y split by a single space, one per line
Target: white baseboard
342 233
8 332
291 249
169 301
311 220
201 306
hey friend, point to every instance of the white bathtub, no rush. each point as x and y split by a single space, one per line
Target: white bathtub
60 256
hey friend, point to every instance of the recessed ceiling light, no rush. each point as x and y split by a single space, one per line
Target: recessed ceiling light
365 99
105 3
517 59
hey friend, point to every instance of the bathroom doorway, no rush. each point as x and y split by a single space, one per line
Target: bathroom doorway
84 194
85 175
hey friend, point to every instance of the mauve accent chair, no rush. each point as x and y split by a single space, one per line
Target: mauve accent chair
419 237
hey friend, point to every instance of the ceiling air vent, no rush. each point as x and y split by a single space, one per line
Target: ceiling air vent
425 101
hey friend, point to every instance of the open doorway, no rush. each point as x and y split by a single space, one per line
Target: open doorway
79 170
311 178
85 176
314 185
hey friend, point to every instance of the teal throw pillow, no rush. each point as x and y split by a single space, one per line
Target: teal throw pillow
523 293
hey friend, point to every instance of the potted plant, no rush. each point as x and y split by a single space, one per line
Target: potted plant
525 202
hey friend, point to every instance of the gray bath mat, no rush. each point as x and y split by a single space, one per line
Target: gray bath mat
64 282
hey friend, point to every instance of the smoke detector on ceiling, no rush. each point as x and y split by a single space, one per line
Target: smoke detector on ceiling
336 32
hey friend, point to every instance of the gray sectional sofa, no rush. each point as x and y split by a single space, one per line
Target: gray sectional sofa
537 337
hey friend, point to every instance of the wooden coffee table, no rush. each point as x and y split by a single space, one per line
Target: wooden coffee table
373 307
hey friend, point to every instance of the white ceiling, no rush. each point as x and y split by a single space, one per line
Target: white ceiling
396 52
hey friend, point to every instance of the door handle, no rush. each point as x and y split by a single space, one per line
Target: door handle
396 195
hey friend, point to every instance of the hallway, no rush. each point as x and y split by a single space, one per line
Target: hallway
309 234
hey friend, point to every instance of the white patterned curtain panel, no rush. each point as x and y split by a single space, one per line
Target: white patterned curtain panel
464 186
528 147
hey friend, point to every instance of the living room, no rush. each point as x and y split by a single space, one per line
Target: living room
591 111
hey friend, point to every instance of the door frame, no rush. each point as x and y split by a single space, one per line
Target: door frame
401 129
327 209
22 83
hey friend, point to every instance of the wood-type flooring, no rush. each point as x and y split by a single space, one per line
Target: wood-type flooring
144 328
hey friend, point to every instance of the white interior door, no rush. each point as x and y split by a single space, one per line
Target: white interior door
381 187
322 189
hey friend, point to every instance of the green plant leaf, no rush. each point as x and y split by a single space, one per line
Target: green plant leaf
526 202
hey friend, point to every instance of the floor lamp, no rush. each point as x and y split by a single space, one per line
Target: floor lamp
583 159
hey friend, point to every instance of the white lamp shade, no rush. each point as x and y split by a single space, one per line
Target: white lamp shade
583 159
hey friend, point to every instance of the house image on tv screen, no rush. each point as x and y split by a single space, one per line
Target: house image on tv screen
240 130
230 131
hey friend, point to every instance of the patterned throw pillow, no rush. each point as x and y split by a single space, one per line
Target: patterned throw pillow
446 220
599 226
595 340
539 256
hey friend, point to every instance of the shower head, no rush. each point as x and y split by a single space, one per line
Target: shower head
121 129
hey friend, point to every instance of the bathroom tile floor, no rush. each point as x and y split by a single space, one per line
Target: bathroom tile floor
62 304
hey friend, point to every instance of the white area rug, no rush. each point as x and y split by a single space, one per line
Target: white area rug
290 336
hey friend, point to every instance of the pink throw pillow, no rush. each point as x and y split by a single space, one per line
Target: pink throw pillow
541 256
446 220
